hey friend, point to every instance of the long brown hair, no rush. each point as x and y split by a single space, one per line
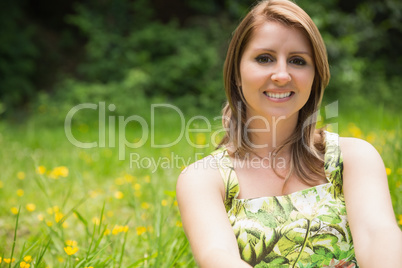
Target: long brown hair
302 142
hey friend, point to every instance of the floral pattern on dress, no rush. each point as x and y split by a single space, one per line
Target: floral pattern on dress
308 228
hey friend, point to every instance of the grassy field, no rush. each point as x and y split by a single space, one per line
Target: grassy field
114 206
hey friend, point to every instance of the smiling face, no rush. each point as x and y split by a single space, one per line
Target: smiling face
276 71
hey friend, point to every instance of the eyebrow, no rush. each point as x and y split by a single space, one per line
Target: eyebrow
292 53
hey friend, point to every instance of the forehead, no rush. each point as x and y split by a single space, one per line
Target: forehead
275 35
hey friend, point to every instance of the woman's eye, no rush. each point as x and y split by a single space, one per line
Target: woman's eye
298 61
263 59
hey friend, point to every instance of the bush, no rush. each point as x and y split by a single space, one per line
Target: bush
182 50
127 96
181 63
18 54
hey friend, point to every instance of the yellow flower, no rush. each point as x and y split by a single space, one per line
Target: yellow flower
24 265
20 192
71 250
164 203
119 229
140 230
27 258
96 220
57 172
354 130
400 219
65 225
14 210
118 195
40 170
137 186
62 171
107 231
144 205
116 230
58 216
30 207
53 175
175 203
200 139
52 210
129 178
371 137
388 171
8 260
71 243
49 223
21 175
179 224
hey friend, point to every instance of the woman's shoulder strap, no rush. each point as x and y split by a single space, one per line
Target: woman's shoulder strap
333 159
225 165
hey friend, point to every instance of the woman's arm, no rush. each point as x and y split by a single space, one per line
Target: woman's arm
200 196
376 235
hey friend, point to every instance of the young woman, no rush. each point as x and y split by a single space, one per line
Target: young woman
278 192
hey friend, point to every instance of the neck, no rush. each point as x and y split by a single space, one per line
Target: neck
267 134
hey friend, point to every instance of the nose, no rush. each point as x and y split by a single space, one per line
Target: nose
280 74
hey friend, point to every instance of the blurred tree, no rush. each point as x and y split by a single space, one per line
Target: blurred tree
181 46
35 46
17 55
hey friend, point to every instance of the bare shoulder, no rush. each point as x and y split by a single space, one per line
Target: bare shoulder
202 175
355 151
363 165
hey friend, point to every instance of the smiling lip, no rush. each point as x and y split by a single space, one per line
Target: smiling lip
278 96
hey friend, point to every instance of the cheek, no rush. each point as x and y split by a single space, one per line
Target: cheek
244 74
306 80
251 75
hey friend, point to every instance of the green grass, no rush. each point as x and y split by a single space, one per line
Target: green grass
122 213
93 203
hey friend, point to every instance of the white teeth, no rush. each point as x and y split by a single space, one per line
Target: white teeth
277 95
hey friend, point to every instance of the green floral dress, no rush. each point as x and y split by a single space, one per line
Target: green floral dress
308 228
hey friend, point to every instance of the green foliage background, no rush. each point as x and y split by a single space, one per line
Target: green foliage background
55 55
68 52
